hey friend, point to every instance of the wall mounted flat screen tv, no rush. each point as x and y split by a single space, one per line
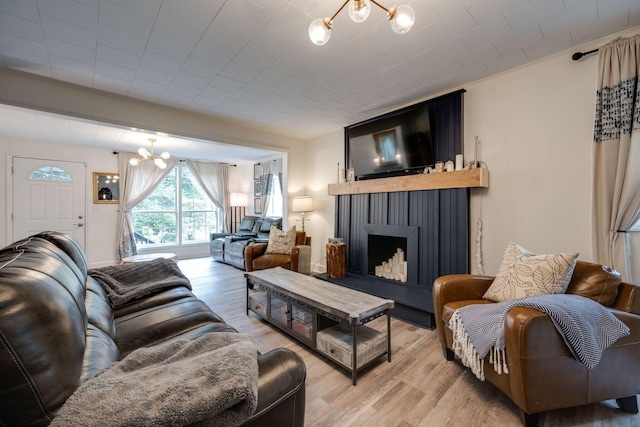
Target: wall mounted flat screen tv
407 140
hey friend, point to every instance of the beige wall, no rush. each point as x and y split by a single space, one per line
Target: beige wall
100 219
46 95
535 127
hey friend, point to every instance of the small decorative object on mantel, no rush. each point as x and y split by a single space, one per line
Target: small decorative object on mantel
459 162
449 166
439 167
475 153
350 175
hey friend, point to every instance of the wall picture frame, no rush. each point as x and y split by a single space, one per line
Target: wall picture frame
257 189
257 206
256 171
106 188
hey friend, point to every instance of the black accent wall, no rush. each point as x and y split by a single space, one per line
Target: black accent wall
442 218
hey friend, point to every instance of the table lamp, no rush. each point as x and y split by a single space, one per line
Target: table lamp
302 204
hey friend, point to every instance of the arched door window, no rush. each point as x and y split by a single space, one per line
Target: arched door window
50 173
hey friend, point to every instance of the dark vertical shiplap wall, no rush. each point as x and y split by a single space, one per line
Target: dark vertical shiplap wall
441 215
442 219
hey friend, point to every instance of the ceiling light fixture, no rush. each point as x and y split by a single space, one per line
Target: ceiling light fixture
401 19
159 161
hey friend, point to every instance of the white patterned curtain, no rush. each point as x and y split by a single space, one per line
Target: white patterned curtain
214 180
616 180
136 183
268 170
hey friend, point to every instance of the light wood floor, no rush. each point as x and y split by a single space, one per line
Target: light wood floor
418 388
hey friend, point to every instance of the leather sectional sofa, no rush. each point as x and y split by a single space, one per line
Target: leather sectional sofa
230 249
58 330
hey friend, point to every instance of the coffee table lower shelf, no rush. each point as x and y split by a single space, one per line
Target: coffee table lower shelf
342 338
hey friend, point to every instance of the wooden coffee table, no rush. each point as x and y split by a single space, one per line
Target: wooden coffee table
328 318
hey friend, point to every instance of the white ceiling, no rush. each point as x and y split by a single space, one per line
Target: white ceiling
252 61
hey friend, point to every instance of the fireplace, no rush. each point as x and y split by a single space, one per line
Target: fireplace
432 224
435 224
383 243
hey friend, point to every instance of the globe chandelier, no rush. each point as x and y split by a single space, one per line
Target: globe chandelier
401 19
159 161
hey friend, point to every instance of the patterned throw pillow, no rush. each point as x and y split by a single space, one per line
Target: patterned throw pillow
281 242
523 274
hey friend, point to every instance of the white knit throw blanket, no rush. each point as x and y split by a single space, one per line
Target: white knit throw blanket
586 326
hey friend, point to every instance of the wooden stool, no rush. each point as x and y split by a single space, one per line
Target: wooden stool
336 260
149 257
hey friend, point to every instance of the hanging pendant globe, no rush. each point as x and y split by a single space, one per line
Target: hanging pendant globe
359 10
159 163
320 31
403 19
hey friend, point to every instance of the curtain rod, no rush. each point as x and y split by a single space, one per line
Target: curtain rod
578 55
182 160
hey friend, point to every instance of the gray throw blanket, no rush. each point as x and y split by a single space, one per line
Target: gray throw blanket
210 381
586 326
127 282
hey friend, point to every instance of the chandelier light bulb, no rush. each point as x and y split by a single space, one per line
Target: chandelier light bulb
359 10
165 155
320 31
143 152
401 18
134 161
159 163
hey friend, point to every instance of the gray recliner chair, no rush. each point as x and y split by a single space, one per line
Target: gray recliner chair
230 249
246 230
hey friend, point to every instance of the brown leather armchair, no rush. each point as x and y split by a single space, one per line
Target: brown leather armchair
255 257
543 375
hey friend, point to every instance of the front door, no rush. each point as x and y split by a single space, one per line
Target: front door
48 195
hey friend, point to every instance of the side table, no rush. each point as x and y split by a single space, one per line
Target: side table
336 260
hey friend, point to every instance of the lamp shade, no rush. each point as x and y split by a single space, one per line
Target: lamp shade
239 199
302 204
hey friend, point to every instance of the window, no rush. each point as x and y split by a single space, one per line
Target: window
274 207
176 212
50 173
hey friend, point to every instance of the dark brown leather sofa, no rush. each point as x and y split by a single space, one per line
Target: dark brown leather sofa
543 374
57 330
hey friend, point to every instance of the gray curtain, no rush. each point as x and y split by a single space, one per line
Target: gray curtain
136 183
214 180
268 170
616 171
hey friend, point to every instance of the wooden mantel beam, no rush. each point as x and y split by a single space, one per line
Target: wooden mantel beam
434 181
